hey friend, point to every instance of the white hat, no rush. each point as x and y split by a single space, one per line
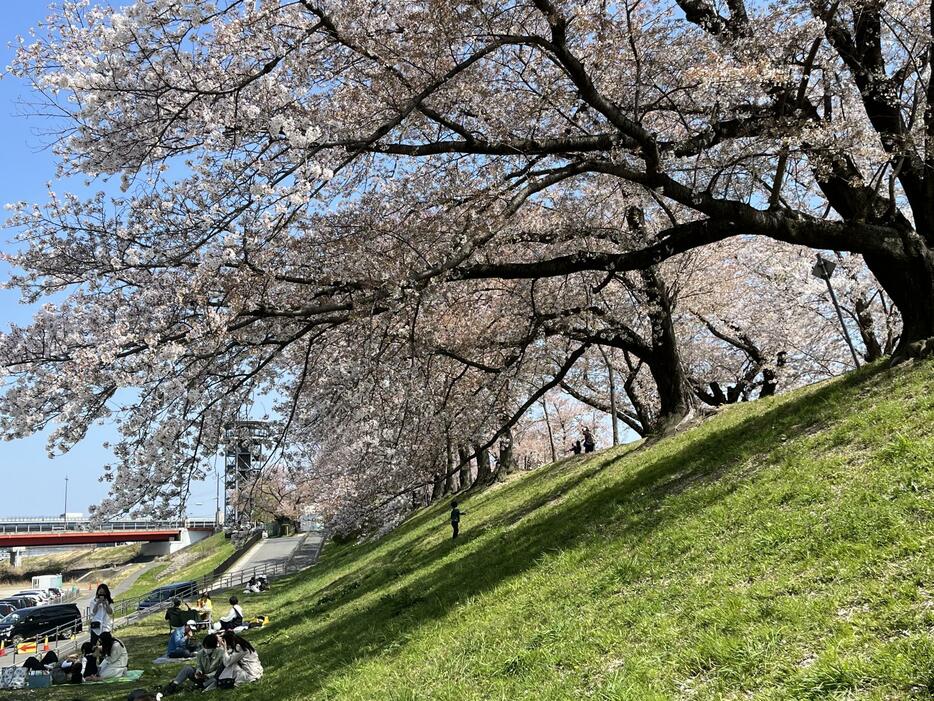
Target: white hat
190 623
217 626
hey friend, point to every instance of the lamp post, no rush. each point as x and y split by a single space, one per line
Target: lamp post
823 269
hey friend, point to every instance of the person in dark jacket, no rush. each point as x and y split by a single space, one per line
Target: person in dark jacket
456 518
176 615
589 442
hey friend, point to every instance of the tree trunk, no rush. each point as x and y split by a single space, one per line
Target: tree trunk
483 467
864 322
449 469
437 487
910 285
676 398
612 380
506 466
463 475
551 437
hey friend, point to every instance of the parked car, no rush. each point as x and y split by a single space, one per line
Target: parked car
169 591
23 601
63 620
56 592
41 594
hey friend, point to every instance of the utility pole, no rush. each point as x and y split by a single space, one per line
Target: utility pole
65 512
823 269
218 514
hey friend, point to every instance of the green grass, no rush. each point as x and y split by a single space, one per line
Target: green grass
782 550
193 562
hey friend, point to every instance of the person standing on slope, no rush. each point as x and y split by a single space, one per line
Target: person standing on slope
589 442
455 518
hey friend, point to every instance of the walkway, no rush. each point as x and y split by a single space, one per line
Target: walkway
269 551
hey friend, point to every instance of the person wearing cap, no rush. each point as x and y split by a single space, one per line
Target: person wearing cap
181 641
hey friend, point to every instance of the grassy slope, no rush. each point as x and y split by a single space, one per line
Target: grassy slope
193 562
780 551
67 561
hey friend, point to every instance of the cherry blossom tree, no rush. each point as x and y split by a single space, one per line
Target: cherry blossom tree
314 193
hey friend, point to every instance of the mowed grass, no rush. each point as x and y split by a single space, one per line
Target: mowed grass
782 550
192 563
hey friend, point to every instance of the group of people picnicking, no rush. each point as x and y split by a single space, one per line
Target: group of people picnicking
102 657
221 659
106 658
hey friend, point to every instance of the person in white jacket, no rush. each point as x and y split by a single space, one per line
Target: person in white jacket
233 618
114 658
102 613
241 662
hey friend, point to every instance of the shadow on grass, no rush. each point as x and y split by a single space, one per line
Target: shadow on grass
667 469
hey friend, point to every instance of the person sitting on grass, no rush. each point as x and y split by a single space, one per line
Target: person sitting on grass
181 642
204 607
208 662
114 658
241 662
233 618
74 668
176 615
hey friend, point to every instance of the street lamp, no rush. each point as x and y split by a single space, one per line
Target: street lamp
823 269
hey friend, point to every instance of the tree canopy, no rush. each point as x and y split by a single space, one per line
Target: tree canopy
409 222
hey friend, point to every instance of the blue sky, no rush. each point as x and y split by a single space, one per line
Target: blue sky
33 484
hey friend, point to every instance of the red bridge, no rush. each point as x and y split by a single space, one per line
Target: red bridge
35 540
17 534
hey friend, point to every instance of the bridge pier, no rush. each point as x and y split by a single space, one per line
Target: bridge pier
16 557
185 538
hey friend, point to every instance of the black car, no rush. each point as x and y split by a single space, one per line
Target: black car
167 592
63 620
20 602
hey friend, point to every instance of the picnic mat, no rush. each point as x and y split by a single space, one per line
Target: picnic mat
131 675
170 660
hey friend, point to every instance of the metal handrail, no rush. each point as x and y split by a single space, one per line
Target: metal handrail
208 583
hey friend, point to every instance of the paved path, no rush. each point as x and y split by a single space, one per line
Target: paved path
128 582
307 552
269 551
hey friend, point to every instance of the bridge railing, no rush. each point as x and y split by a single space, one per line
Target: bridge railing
52 525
